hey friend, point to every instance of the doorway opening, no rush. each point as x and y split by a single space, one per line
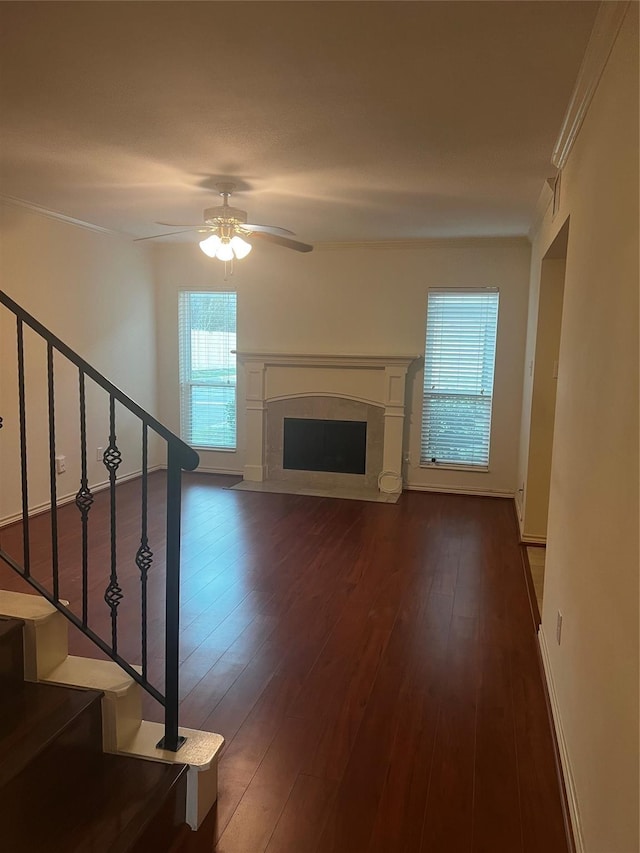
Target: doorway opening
546 367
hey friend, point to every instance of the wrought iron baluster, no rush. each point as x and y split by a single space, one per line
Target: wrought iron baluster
23 450
52 473
84 501
112 459
144 555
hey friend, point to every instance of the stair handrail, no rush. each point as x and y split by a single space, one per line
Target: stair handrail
180 456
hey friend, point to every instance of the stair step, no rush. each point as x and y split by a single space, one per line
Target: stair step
124 733
58 790
11 650
32 716
94 674
45 631
201 752
77 800
122 698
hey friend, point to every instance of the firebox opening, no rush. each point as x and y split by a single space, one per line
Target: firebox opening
312 444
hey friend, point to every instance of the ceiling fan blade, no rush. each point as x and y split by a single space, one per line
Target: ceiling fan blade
168 234
267 229
283 241
180 224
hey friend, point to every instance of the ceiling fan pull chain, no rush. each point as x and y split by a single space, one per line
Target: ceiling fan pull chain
230 265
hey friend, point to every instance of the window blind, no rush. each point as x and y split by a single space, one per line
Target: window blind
460 352
207 336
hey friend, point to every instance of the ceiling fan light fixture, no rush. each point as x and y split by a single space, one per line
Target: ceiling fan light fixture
211 245
240 247
225 225
225 250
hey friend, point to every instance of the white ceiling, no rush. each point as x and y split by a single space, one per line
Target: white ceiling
343 121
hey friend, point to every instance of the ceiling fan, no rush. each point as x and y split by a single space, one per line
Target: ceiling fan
227 228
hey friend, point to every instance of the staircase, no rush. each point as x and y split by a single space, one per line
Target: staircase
58 790
72 735
103 705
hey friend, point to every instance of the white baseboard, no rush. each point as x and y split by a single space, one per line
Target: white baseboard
205 469
71 496
454 490
518 507
526 538
572 797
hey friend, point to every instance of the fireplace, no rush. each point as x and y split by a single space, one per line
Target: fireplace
315 444
327 413
365 389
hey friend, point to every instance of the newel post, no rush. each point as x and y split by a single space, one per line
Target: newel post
171 740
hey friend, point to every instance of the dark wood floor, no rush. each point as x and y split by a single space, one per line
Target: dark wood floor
372 667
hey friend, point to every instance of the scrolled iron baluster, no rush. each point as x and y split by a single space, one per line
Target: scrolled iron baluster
112 459
144 554
84 501
144 561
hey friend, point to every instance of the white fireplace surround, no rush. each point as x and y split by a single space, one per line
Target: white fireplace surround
378 380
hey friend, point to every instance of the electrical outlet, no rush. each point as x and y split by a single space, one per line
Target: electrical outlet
559 627
61 464
99 452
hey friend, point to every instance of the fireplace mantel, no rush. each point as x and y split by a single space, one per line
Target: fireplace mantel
376 379
326 359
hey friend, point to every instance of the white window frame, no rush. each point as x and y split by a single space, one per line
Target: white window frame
187 384
482 466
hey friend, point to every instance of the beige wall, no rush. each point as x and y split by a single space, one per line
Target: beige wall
358 300
592 553
95 292
543 403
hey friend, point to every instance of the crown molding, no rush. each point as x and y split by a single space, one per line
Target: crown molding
55 214
514 242
510 242
603 35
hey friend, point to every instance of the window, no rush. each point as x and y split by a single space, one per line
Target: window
207 335
460 354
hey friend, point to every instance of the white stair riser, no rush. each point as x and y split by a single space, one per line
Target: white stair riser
121 717
202 793
46 646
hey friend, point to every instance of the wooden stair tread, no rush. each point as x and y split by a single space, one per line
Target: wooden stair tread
90 801
31 717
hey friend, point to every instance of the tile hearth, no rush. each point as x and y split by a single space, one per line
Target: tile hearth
286 487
